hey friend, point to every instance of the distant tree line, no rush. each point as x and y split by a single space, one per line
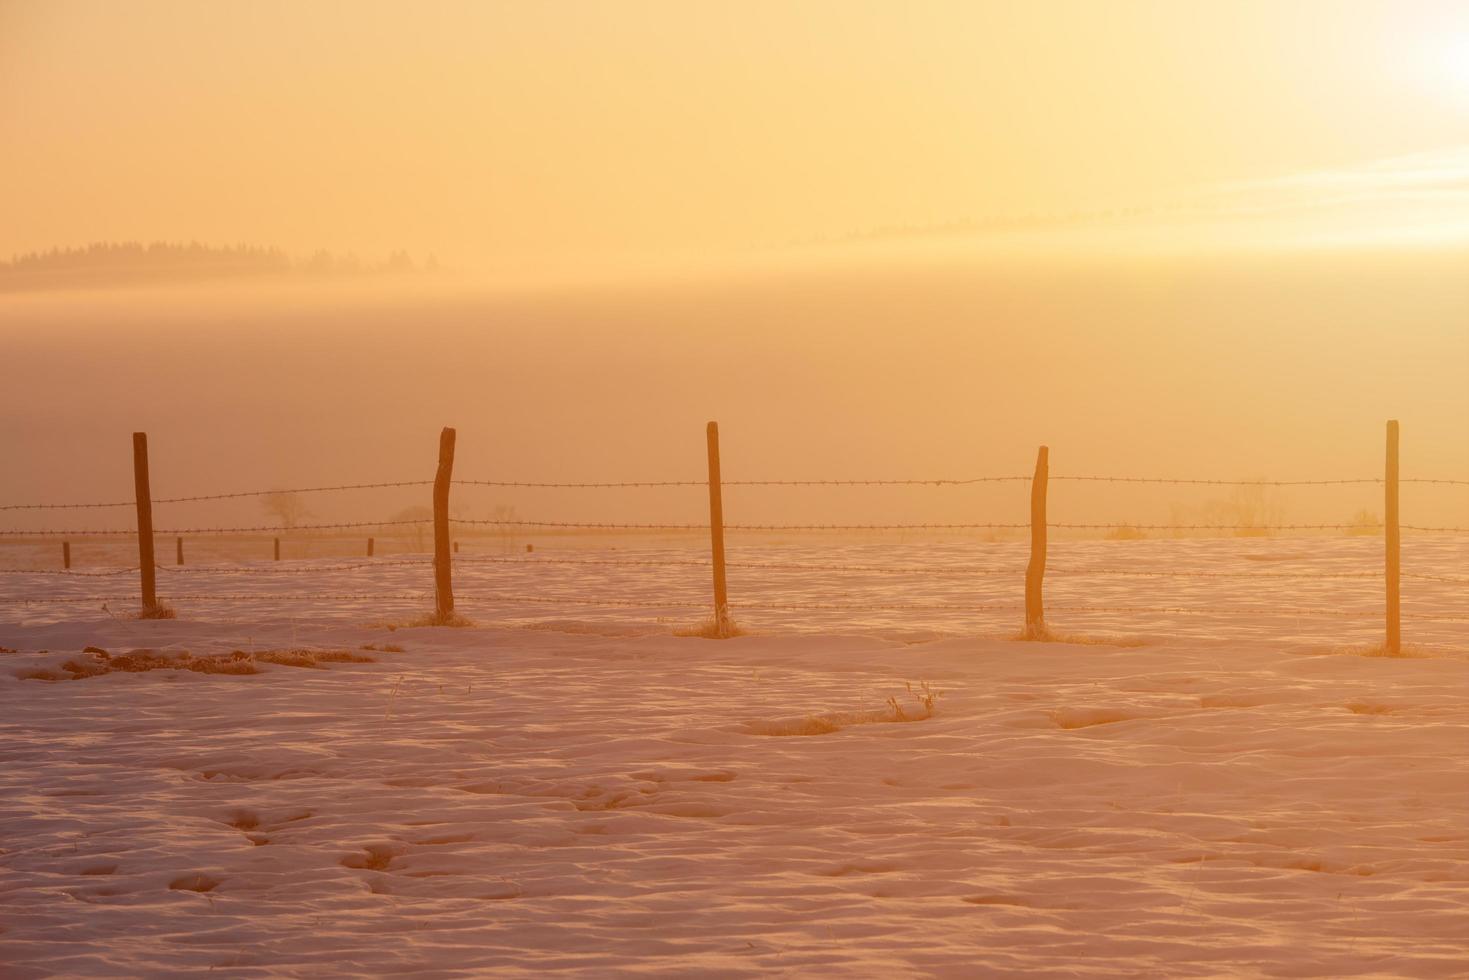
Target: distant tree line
113 263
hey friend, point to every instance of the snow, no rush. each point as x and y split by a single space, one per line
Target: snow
582 791
1325 590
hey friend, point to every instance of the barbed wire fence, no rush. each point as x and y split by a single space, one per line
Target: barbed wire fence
444 556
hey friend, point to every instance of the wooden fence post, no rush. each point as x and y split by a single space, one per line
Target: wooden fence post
179 544
722 626
66 554
1393 644
277 549
144 497
443 569
1035 572
369 547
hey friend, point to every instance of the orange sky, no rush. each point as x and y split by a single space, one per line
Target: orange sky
533 136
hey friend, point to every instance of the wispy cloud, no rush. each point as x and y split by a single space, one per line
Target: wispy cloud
1420 199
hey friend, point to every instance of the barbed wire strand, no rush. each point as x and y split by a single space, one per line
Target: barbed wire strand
224 597
624 484
120 503
609 485
182 531
949 571
223 496
936 570
627 526
1270 611
276 568
593 525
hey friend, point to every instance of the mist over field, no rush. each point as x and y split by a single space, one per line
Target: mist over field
866 363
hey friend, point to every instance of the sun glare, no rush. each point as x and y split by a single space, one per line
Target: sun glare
1449 64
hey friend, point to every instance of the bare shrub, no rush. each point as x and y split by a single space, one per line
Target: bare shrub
1364 523
1250 511
286 507
418 532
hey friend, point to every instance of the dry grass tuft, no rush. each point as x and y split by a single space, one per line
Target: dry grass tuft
194 883
342 657
309 658
799 727
140 661
1044 634
1406 652
925 698
160 611
434 619
709 629
99 662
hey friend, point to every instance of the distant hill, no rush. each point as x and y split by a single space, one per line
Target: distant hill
105 264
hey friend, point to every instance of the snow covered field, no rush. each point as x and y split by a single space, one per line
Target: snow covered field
598 796
1324 590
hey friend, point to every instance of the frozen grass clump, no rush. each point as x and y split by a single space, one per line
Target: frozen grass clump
97 662
710 629
453 619
140 661
310 658
925 703
1406 652
1044 634
927 699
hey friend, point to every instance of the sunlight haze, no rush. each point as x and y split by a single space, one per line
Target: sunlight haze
565 138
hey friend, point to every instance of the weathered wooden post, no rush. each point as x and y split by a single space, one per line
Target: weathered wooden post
369 547
443 569
722 626
277 549
66 554
1393 645
144 497
179 544
1035 572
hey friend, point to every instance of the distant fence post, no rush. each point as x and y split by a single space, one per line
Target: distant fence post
1035 572
179 543
369 547
1393 534
144 497
716 535
443 575
277 549
66 554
